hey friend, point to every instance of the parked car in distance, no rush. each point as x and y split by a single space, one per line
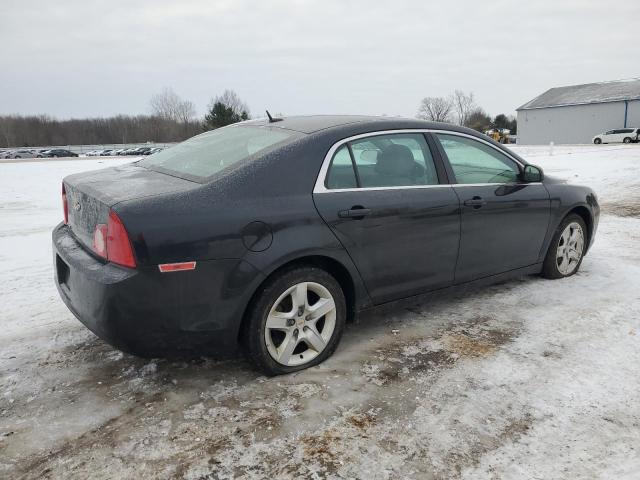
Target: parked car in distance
56 152
272 234
620 135
6 153
140 151
23 153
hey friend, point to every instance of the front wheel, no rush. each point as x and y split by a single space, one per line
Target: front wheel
567 248
296 322
597 141
626 140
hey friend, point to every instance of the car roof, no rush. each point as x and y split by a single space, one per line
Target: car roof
315 123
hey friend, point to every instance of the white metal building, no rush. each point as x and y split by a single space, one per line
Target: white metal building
576 113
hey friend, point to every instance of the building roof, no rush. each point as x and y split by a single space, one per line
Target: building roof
601 92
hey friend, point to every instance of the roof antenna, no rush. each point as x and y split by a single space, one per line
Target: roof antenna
272 119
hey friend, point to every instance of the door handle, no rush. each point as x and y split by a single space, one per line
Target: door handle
356 212
476 202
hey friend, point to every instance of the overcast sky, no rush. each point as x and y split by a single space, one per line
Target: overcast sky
77 58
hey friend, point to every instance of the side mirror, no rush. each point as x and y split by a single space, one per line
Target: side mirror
532 174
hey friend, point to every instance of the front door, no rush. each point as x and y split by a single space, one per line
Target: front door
504 221
383 199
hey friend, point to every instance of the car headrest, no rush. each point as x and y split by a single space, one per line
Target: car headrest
398 160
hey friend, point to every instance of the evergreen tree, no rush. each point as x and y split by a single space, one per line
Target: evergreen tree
225 110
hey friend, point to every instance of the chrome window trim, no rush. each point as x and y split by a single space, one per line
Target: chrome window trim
320 180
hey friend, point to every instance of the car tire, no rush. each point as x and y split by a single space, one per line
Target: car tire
280 335
626 140
597 141
567 248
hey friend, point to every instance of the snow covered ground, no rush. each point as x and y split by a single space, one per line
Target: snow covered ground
527 379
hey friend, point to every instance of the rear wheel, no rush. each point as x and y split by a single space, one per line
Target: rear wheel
597 141
296 322
567 248
626 140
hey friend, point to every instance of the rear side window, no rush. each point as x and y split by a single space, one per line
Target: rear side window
341 173
205 155
394 160
476 162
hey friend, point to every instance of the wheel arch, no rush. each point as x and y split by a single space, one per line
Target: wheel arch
584 213
329 264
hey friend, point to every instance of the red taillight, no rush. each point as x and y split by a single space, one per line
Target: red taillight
111 241
65 206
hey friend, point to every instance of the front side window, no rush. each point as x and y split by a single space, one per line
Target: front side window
476 162
205 155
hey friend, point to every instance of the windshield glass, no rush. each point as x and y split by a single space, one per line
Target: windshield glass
209 153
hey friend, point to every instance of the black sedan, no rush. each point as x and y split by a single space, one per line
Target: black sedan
273 233
56 153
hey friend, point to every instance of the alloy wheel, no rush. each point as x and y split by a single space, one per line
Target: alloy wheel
570 248
300 324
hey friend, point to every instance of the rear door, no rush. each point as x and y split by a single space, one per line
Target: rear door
504 221
386 199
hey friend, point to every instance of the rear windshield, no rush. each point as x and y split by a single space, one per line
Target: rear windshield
205 155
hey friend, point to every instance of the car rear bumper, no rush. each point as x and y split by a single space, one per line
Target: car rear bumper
149 313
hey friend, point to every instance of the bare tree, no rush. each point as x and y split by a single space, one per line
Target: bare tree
169 106
436 109
463 105
478 120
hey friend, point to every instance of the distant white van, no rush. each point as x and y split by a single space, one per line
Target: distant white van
621 135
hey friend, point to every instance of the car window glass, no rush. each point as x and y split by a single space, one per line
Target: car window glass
394 161
205 155
476 162
341 174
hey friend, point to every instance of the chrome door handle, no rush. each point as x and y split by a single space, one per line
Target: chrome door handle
476 202
356 213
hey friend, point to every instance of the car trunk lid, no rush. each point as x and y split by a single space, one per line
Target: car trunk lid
91 195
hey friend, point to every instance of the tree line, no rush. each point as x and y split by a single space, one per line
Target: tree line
461 108
171 119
